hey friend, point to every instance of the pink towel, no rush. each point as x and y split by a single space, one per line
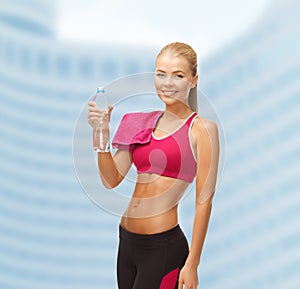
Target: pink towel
135 127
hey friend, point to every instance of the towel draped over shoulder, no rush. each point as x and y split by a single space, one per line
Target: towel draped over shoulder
135 128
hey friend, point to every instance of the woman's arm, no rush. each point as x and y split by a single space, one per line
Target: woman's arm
207 143
112 169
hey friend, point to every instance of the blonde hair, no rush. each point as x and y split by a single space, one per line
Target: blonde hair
177 49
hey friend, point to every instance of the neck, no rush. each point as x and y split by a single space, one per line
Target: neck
179 110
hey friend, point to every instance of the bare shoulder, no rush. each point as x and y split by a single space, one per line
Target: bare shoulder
204 126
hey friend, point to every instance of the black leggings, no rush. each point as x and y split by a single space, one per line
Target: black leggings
151 261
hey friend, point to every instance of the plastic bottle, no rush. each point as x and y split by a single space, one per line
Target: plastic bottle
101 132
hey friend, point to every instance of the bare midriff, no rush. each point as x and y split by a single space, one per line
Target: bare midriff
154 203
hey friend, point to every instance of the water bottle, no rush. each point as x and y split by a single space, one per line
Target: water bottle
101 132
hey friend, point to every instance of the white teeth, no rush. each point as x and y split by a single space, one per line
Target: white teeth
168 92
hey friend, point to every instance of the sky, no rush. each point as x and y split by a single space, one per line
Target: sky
206 25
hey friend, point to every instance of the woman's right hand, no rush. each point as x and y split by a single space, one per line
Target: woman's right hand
97 115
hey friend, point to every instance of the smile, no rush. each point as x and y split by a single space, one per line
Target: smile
169 92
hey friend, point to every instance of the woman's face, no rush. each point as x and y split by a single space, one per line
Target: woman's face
173 79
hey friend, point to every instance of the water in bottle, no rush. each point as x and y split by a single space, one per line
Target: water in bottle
101 131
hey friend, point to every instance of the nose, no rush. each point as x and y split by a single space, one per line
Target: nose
168 81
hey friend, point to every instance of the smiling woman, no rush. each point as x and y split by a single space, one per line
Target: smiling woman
180 147
176 75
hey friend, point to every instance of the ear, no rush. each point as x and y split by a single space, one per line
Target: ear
195 81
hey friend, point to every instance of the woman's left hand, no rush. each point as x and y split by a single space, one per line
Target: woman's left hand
188 277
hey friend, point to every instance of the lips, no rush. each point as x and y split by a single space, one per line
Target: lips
168 92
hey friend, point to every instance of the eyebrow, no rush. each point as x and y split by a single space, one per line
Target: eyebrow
176 71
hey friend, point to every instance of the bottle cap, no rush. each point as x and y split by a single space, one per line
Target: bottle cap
100 89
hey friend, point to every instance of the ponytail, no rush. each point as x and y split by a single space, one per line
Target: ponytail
193 99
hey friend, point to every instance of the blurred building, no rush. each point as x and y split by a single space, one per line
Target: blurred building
52 236
254 83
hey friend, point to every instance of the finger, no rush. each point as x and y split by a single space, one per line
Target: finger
110 108
95 113
94 108
97 110
93 120
92 103
180 284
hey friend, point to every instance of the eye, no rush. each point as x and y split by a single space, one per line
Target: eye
161 75
178 76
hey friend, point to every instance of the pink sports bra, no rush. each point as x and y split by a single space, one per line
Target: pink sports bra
169 156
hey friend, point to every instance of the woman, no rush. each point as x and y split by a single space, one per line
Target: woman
180 146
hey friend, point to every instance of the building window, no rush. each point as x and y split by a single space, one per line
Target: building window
108 69
131 67
25 58
63 65
86 68
43 62
9 52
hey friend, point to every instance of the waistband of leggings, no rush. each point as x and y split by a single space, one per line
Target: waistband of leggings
171 234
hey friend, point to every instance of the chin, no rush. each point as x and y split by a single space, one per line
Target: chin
170 100
167 100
